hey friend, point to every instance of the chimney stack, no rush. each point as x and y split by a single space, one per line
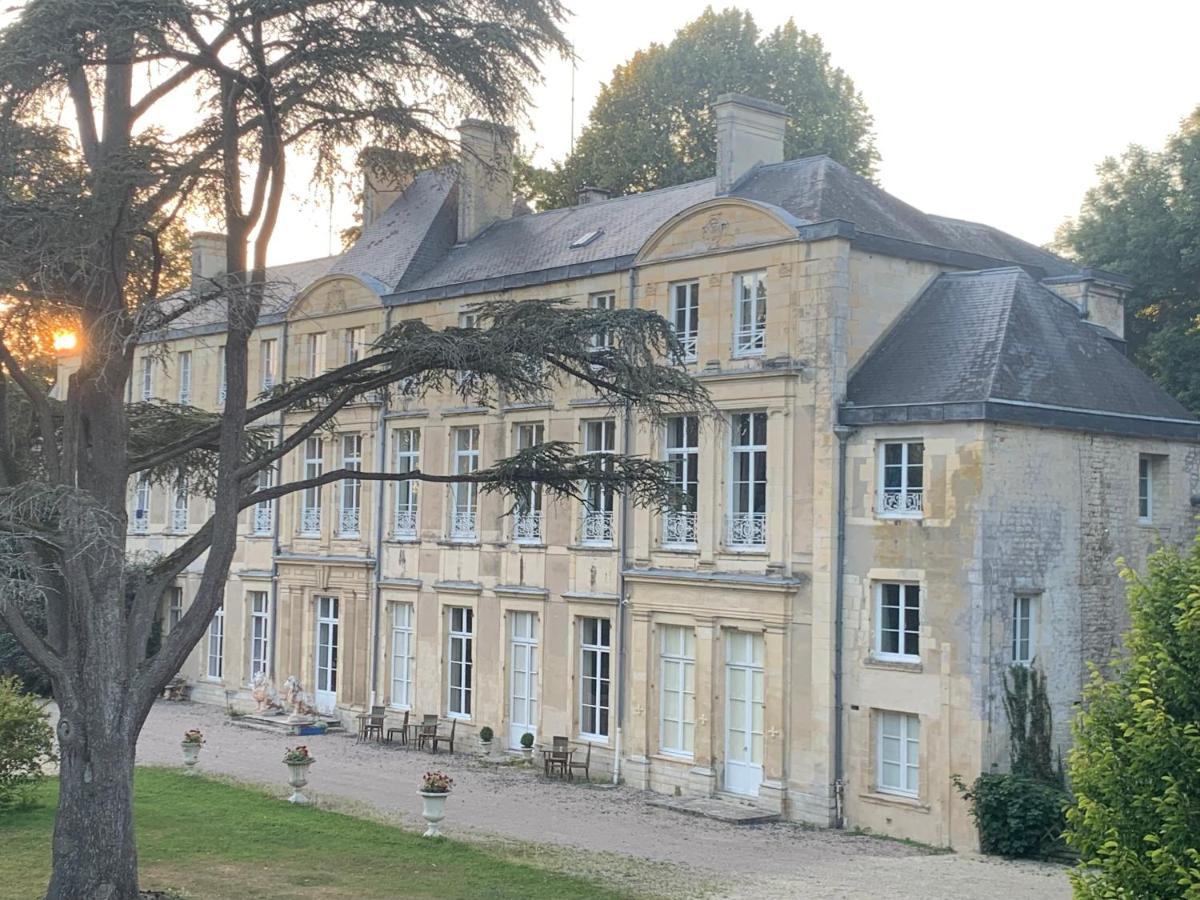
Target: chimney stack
208 256
588 193
485 181
749 133
386 175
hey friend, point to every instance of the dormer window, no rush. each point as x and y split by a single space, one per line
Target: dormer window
902 479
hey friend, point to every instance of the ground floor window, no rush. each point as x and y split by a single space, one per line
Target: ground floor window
462 637
216 644
898 753
260 633
677 703
402 655
174 607
596 680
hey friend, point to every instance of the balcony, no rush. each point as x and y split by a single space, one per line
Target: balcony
141 521
747 531
749 341
310 522
688 340
679 528
264 518
462 525
348 522
404 525
596 527
179 520
902 503
527 527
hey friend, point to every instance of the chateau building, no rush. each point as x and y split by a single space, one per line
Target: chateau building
931 451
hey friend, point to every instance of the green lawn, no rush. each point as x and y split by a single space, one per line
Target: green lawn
205 839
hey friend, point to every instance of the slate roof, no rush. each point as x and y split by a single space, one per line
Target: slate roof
998 345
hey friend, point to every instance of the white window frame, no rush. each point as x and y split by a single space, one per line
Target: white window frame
222 383
406 457
174 607
185 378
314 353
595 719
400 695
147 378
685 317
260 633
310 507
681 451
461 621
350 496
1145 490
180 507
597 520
750 313
605 300
677 667
141 506
356 343
908 596
1024 629
464 496
905 730
527 516
903 500
747 527
268 349
263 514
216 645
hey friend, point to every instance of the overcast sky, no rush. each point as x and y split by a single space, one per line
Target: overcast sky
997 113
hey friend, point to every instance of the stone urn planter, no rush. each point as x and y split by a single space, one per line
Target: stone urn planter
435 788
297 759
527 746
192 741
485 740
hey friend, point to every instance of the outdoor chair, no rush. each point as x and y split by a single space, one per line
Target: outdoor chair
559 756
401 730
440 737
371 724
426 731
572 765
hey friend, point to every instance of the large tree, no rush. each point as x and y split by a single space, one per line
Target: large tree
1143 220
174 103
652 125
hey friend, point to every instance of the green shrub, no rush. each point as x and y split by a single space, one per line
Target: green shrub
527 740
485 734
1016 815
26 743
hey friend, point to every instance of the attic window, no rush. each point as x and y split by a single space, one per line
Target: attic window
584 239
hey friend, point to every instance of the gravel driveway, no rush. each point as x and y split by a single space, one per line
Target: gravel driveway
626 841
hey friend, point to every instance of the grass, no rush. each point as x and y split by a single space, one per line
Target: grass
207 839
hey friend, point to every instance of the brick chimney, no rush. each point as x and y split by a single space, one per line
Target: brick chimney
485 180
386 174
749 133
588 193
208 256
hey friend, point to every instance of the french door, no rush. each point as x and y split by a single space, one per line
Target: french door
325 695
744 712
523 677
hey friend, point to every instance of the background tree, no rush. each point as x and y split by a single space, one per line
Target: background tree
1143 220
1135 768
652 125
173 103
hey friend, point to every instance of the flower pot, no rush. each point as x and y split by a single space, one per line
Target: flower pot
433 810
485 747
191 753
527 752
298 778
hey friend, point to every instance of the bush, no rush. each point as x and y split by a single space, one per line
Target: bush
1135 769
1016 815
485 734
527 740
26 743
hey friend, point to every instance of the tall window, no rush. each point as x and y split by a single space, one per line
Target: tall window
748 481
683 456
185 377
402 655
222 382
314 354
464 496
898 621
179 509
898 753
141 506
351 496
902 478
260 633
462 636
1145 489
750 313
216 644
677 706
1023 648
596 677
269 352
356 344
600 440
465 320
685 316
147 377
407 448
310 510
174 607
602 339
264 511
527 519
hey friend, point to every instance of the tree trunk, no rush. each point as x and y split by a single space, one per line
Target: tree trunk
94 851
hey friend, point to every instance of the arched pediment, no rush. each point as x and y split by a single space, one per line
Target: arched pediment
332 294
725 223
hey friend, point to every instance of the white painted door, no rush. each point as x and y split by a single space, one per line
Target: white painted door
523 679
325 693
744 711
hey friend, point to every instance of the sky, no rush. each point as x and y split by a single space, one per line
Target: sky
997 113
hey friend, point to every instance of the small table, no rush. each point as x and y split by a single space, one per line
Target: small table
557 758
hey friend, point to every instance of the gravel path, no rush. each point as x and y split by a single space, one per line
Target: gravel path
627 842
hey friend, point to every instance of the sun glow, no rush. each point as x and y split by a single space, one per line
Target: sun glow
65 341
